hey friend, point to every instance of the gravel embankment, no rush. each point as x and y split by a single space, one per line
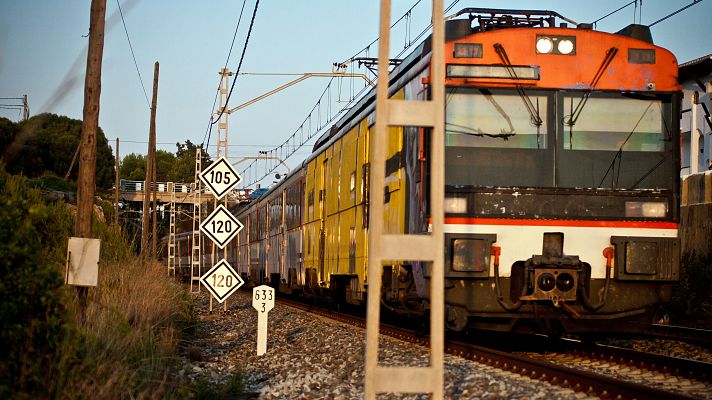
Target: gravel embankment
309 357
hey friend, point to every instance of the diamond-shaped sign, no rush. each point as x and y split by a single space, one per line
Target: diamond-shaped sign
222 280
220 177
221 226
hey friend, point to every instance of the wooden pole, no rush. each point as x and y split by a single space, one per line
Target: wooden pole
86 181
116 186
154 249
149 165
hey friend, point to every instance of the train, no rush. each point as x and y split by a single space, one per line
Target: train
562 160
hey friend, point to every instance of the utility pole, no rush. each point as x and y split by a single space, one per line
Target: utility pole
149 164
86 182
116 186
154 249
26 106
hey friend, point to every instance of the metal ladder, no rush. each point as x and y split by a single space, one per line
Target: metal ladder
385 247
196 254
172 232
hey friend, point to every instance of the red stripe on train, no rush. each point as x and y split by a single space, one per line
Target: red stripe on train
550 222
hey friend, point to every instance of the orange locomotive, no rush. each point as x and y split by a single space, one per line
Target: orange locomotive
562 164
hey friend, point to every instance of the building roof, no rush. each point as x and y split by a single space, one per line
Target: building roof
697 68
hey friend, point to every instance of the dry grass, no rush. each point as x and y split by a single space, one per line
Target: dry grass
129 333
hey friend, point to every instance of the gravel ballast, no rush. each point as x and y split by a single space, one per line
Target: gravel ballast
310 357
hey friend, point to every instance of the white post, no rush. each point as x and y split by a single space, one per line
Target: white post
694 136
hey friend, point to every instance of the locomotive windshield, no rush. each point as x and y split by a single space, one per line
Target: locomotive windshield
470 122
582 141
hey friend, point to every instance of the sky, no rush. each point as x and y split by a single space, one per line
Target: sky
43 55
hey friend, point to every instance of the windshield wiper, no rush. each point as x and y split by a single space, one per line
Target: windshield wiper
576 112
466 130
533 111
619 153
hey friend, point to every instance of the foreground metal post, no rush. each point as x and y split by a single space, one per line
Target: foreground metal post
381 246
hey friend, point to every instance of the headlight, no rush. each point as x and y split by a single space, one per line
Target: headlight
455 205
645 209
544 45
565 46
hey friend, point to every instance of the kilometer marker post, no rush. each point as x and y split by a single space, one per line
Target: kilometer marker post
263 302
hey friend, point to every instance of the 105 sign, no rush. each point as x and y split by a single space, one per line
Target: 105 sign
220 177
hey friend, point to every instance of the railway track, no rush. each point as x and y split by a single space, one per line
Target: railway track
574 368
693 335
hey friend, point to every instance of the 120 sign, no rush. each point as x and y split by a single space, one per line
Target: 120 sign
222 280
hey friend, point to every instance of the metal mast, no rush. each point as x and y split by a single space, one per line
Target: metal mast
196 254
383 247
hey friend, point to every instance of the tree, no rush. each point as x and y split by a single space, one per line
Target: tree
169 167
133 167
47 143
165 165
8 130
184 168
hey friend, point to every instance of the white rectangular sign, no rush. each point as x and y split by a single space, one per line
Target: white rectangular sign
263 302
82 261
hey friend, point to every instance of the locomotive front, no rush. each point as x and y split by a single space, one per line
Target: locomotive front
562 166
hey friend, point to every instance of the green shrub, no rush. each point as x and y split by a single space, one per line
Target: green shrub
32 312
50 181
123 344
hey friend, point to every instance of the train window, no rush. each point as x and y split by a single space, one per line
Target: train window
481 118
612 124
615 140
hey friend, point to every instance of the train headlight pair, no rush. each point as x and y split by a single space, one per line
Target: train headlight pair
563 281
565 45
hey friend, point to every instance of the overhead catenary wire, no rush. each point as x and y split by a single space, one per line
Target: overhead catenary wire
290 146
614 11
133 55
676 12
208 129
239 66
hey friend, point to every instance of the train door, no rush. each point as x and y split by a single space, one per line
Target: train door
322 212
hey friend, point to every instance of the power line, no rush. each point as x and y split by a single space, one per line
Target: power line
239 66
615 11
229 145
290 146
133 55
678 11
208 130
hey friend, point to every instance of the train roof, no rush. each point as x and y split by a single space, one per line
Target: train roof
485 19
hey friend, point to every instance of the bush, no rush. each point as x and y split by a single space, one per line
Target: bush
123 344
32 312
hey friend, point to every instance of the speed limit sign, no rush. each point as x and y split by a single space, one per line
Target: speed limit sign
220 177
221 226
222 280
